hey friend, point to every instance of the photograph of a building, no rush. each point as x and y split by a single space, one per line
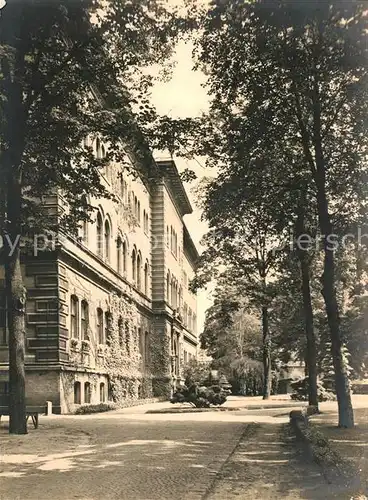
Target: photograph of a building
110 314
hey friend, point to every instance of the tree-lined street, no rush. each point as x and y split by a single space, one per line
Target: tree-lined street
133 455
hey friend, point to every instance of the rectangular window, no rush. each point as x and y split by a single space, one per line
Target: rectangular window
74 330
84 320
100 331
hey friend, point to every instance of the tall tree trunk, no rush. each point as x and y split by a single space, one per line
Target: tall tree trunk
342 386
311 361
16 298
266 354
311 351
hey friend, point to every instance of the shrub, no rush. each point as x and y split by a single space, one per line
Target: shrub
98 408
200 396
300 388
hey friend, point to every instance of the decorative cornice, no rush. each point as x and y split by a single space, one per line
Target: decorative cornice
171 177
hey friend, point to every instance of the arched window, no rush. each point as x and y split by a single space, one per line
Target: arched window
102 392
139 212
77 393
118 254
139 271
84 319
103 151
172 292
144 221
107 240
147 223
168 290
98 148
124 251
87 392
146 278
134 265
99 236
185 315
74 317
99 325
136 207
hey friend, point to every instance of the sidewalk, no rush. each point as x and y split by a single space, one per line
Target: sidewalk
350 444
266 465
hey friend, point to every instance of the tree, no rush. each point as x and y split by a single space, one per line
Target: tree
303 65
69 70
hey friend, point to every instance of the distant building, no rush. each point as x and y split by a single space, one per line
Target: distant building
111 314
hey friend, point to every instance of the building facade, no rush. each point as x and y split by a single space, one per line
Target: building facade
109 314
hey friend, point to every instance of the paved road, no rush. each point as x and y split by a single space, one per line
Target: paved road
121 458
135 456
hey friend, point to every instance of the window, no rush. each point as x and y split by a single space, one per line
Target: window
84 320
168 290
118 254
172 292
136 207
134 265
139 271
139 212
124 248
100 332
102 392
98 148
99 236
87 392
194 323
185 315
107 241
77 393
167 237
190 319
74 330
146 277
144 221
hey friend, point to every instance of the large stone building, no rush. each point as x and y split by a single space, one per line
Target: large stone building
110 315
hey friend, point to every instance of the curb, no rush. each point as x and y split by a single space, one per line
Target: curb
335 467
190 410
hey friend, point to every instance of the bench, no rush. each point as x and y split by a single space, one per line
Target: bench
32 411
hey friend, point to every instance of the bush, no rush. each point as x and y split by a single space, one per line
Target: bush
99 408
300 388
200 396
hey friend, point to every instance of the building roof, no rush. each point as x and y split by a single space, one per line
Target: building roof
170 173
190 249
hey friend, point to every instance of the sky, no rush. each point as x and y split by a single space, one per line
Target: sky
184 96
